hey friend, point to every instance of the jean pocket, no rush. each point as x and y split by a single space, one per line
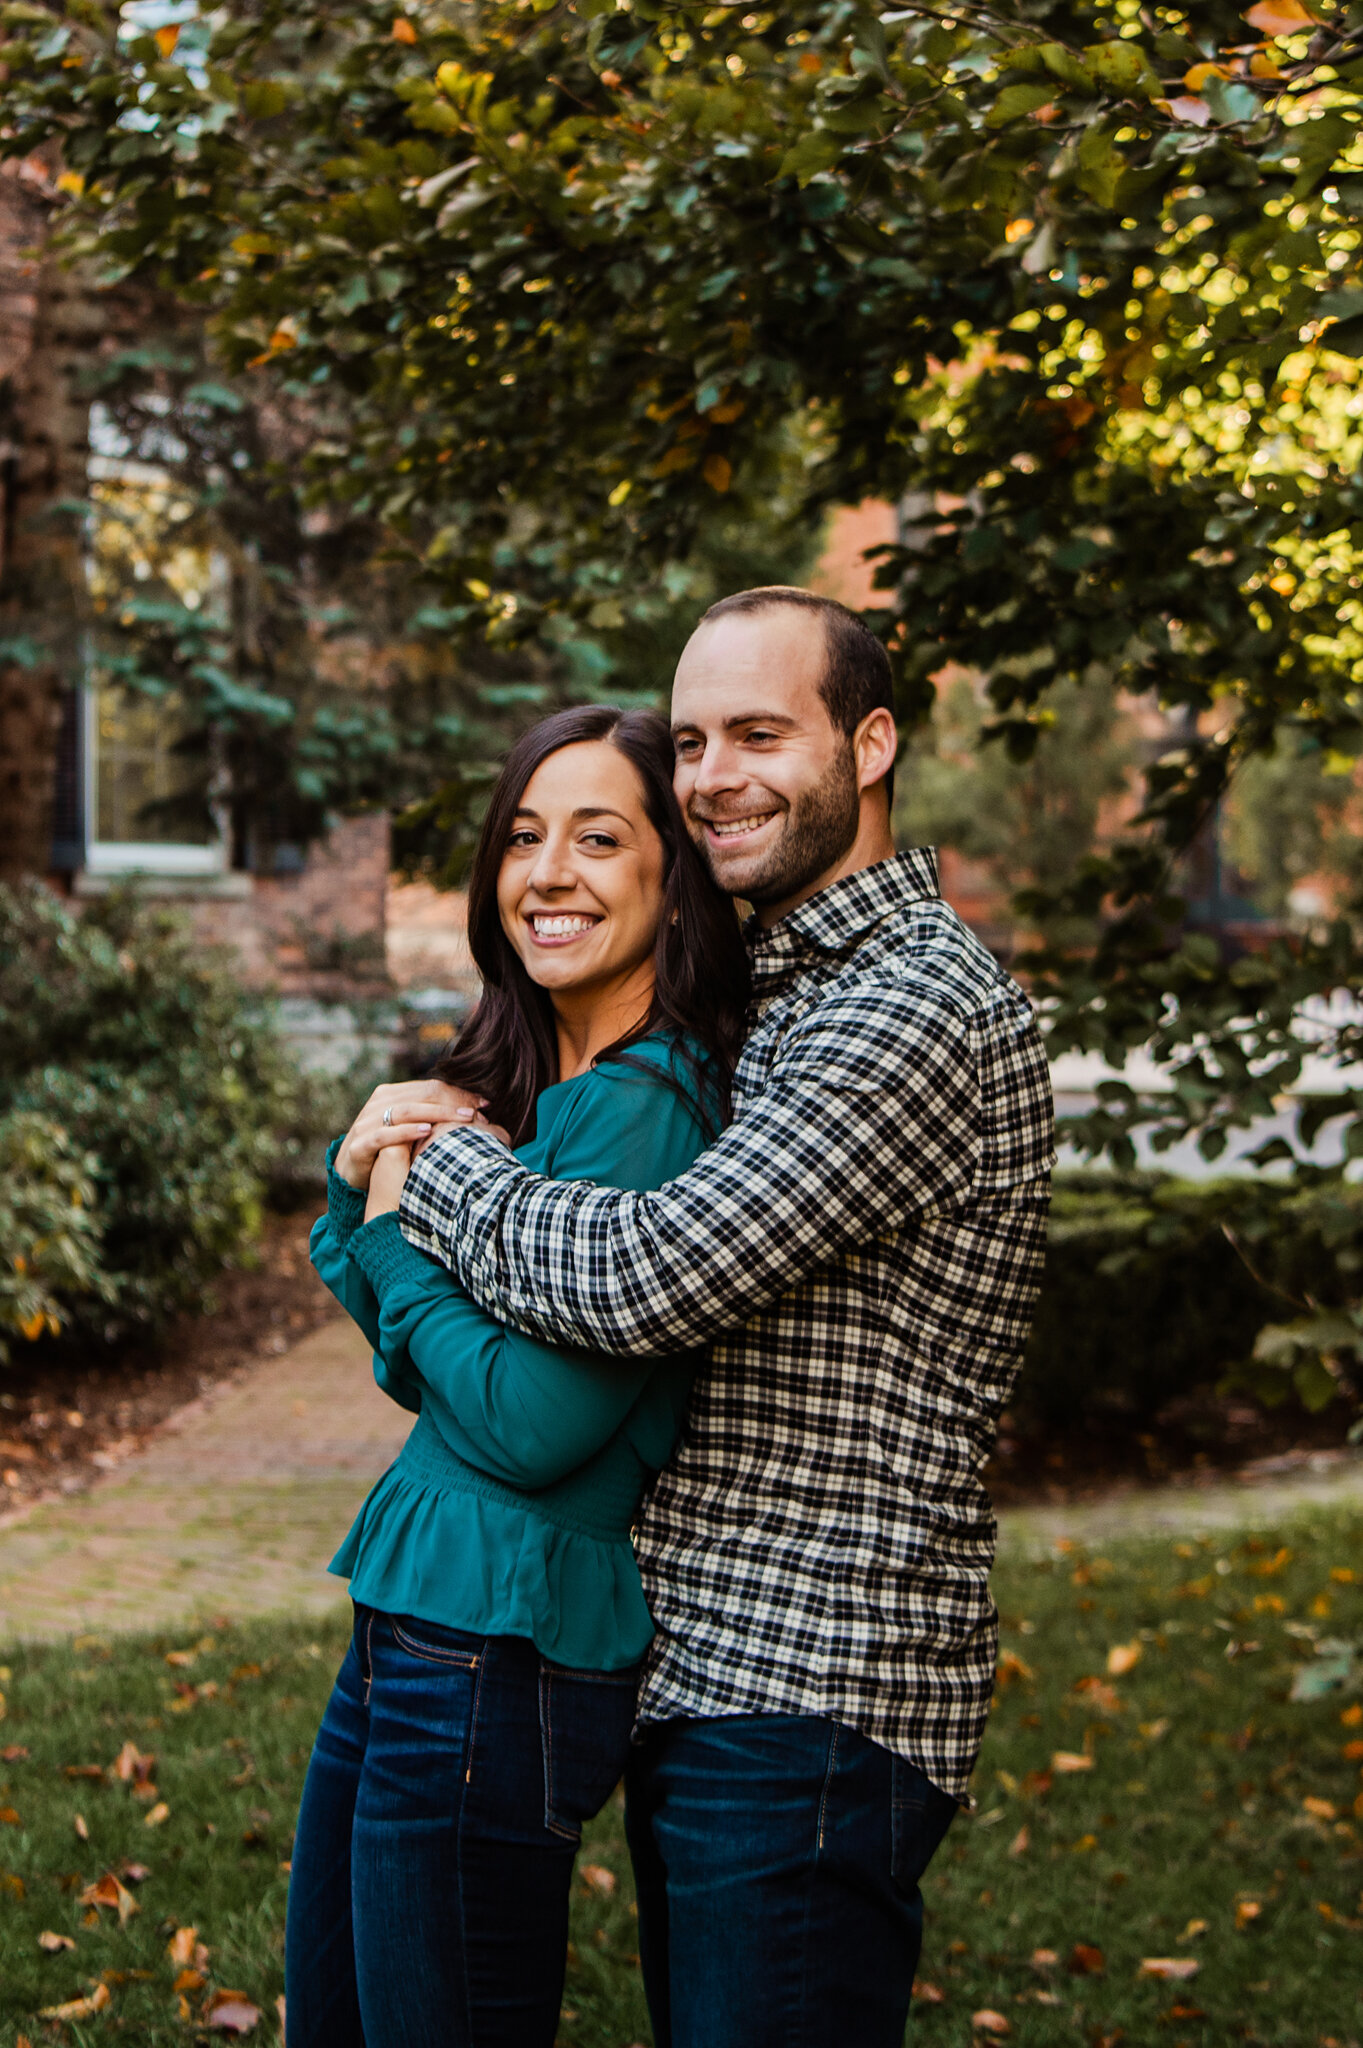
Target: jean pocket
452 1647
585 1723
920 1815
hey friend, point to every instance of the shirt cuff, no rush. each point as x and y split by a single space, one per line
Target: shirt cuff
345 1204
460 1162
384 1256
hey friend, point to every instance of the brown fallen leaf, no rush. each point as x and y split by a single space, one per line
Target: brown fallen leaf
1194 1929
987 2021
1011 1666
599 1878
1323 1809
1123 1657
55 1943
928 1994
1020 1843
9 1817
159 1813
1100 1694
189 1980
115 1897
186 1950
279 2008
1036 1784
13 1885
1155 1731
231 2012
1170 1969
1247 1911
1068 1760
1086 1960
82 1770
81 1826
132 1767
78 2008
13 1753
1045 1958
135 1873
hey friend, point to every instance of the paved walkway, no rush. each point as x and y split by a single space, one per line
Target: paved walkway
236 1505
233 1508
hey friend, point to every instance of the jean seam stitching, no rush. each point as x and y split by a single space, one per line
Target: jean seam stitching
552 1824
827 1786
368 1656
454 1660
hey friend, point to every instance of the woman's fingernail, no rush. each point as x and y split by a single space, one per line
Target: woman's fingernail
423 1127
463 1116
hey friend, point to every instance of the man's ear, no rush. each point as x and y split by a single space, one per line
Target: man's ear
875 744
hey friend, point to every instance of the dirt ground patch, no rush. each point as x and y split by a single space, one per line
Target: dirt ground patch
68 1412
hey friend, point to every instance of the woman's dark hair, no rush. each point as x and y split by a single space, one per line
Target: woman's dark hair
508 1050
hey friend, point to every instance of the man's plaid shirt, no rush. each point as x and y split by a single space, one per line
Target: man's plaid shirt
861 1249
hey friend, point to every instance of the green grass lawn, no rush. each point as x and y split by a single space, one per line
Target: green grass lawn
1213 1819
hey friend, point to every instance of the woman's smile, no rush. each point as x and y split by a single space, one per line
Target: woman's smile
560 927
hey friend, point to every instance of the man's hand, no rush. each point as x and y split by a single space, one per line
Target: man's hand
414 1109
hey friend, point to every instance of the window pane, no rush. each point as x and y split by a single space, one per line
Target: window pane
136 769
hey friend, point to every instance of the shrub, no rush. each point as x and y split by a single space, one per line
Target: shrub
141 1048
1157 1287
49 1234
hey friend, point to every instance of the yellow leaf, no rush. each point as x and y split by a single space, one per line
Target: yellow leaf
1020 1843
1170 1969
1195 79
718 473
477 589
1262 65
620 493
1323 1809
1342 1575
78 2008
1068 1760
167 38
1279 17
1194 1929
1246 1912
159 1813
34 1327
74 183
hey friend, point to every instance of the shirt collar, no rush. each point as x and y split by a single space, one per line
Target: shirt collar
839 917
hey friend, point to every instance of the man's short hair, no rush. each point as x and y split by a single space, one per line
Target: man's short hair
857 678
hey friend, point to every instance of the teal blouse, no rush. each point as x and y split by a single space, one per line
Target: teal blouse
508 1510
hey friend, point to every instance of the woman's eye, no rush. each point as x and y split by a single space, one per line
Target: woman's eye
522 839
599 839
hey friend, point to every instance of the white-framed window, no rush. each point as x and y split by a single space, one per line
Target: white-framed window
128 740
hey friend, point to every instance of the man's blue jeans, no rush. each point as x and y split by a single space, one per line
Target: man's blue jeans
428 1904
778 1859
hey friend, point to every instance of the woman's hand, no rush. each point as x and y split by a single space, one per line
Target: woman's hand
413 1109
387 1180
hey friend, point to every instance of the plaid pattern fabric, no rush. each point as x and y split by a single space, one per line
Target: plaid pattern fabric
861 1249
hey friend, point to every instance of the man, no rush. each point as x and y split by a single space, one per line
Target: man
861 1249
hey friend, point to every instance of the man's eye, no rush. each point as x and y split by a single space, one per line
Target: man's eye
685 747
759 734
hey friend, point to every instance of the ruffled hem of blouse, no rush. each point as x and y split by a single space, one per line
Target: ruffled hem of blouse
452 1556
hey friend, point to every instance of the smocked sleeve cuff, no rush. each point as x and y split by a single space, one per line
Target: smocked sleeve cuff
345 1204
386 1259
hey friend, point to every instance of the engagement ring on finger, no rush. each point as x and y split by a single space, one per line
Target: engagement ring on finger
388 1116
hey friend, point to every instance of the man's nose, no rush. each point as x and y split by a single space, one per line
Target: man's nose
718 771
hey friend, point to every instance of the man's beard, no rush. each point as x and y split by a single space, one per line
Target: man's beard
819 829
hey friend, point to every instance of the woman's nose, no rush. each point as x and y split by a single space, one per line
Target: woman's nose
552 867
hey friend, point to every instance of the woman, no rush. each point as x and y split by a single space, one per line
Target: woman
484 1707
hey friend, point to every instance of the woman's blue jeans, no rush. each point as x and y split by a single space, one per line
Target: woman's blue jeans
428 1903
